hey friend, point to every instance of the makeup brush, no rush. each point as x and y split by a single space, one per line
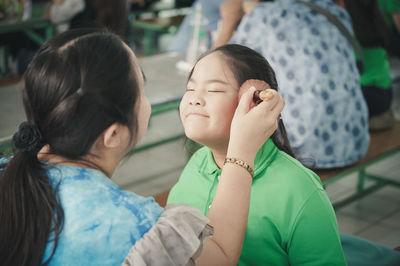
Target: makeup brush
261 92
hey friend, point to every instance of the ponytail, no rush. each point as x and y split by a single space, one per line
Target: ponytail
29 208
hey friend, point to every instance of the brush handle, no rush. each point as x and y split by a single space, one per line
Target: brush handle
262 95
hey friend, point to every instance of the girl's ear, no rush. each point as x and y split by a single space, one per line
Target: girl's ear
112 136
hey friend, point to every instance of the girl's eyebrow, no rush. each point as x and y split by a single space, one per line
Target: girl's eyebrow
210 81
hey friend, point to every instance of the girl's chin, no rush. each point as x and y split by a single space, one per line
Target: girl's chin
196 138
206 140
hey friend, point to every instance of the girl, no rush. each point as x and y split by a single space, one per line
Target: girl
291 220
84 100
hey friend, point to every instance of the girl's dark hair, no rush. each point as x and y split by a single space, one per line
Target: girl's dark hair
245 64
77 85
369 25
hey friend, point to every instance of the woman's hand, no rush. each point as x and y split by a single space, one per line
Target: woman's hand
252 126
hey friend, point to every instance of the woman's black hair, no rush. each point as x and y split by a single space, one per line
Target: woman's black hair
245 64
78 84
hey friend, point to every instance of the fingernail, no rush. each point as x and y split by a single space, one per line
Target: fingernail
266 95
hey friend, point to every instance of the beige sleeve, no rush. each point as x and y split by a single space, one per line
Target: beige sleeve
176 239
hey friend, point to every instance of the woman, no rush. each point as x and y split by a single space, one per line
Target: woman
84 100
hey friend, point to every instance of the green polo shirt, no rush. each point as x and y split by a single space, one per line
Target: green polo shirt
388 7
376 68
291 220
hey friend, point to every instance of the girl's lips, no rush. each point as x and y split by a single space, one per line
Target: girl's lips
196 114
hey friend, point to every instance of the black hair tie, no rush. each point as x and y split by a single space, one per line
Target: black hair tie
28 138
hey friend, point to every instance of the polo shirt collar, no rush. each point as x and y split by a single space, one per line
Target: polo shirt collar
264 157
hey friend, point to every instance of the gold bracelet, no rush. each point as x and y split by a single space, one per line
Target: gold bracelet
240 163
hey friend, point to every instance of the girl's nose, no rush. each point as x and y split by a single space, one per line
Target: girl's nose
196 99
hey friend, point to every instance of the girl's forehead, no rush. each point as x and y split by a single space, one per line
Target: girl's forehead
215 60
213 66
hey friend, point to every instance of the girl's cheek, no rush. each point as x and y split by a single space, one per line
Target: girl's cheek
182 106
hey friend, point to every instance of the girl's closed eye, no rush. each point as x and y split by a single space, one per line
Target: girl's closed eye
218 91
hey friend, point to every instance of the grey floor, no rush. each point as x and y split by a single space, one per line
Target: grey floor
375 217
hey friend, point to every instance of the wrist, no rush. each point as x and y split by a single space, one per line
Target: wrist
245 165
241 154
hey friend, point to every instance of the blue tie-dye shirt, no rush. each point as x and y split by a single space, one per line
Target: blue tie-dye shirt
102 222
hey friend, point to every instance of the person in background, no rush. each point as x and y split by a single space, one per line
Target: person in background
391 13
373 36
211 19
210 12
73 14
84 99
62 12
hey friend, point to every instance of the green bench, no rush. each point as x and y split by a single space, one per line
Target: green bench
157 109
154 26
29 27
